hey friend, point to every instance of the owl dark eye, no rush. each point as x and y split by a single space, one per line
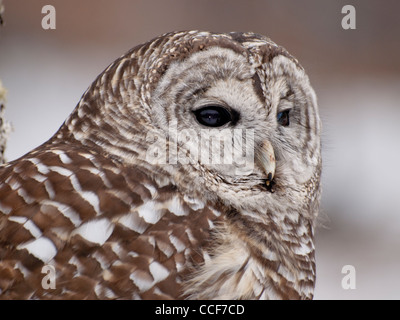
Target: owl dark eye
283 118
213 116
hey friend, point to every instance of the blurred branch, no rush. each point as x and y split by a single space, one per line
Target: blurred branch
1 12
5 127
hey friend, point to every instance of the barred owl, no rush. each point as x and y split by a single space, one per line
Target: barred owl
130 198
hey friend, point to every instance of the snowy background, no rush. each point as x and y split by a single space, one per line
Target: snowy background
356 74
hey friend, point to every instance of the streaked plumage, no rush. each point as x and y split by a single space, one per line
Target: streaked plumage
116 225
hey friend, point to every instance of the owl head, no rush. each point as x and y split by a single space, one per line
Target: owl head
190 168
231 116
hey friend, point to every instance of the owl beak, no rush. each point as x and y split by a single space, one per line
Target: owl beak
266 158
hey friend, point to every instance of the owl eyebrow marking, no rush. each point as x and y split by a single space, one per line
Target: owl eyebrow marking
185 94
200 91
288 94
257 87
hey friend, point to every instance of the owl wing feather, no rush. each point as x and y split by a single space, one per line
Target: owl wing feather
101 227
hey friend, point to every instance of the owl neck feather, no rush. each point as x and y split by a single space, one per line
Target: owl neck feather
260 264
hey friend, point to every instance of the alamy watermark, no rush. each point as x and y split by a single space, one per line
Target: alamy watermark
49 20
234 147
49 280
349 20
349 280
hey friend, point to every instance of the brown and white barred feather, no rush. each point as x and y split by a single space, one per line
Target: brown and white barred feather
116 226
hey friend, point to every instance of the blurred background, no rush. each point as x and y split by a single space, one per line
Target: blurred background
356 75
